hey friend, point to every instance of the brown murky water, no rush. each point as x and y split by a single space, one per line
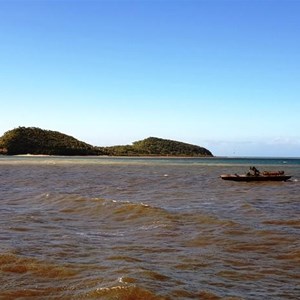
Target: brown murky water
100 228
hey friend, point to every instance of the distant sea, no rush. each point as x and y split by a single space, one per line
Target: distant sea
147 229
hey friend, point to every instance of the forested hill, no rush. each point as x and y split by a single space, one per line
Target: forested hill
32 140
153 146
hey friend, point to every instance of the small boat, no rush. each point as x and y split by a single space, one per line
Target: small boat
255 175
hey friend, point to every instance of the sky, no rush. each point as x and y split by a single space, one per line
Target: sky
224 75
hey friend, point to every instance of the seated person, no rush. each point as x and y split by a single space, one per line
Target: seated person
255 171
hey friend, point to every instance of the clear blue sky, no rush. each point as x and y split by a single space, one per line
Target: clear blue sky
220 74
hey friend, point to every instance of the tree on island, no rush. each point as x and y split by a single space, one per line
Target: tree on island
154 146
33 140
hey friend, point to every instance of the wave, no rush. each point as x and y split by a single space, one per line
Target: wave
122 212
95 207
11 263
23 277
26 277
124 292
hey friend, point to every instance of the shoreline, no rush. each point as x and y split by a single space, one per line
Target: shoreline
150 156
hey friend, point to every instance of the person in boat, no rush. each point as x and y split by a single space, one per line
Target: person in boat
253 172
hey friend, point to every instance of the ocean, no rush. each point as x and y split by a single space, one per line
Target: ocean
147 229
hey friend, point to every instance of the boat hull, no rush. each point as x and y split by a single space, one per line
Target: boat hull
247 178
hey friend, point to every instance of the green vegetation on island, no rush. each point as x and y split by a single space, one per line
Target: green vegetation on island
153 146
32 140
36 141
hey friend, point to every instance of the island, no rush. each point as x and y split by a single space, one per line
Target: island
154 146
36 141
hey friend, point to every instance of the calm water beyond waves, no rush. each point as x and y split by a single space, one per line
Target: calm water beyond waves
147 229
